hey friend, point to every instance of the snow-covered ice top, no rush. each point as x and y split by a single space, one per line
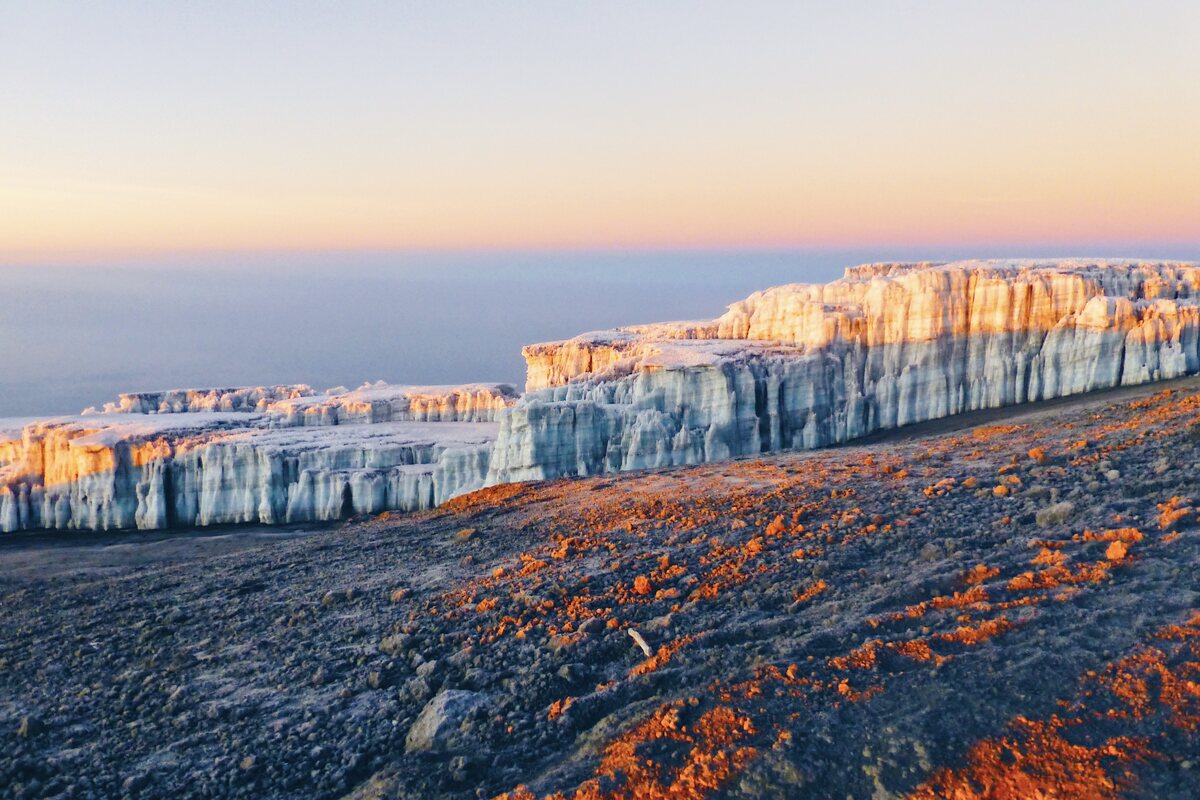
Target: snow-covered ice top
383 402
176 401
298 404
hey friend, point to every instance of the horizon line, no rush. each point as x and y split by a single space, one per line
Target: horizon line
935 250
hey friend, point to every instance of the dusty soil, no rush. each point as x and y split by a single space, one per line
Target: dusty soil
987 607
77 555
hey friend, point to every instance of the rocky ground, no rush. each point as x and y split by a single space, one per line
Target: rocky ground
985 608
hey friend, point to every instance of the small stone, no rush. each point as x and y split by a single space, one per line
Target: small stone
1036 492
529 600
247 763
1113 475
29 726
930 552
1116 551
591 626
572 672
1056 514
640 641
559 642
319 676
398 595
458 768
327 599
416 688
659 623
394 645
465 534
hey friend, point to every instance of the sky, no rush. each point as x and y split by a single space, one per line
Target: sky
131 130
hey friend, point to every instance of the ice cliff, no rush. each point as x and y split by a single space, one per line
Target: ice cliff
178 401
803 365
298 404
275 455
808 365
374 403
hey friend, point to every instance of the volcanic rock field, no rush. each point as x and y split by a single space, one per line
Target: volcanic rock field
1002 604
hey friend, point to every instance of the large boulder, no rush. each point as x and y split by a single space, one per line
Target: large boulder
439 726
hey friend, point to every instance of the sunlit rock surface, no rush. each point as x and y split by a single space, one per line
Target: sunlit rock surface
131 469
808 365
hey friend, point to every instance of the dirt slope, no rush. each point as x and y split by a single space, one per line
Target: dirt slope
1007 610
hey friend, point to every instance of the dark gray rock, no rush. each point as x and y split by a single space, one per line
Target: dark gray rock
437 726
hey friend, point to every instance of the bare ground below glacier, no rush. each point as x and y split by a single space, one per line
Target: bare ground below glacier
78 555
997 605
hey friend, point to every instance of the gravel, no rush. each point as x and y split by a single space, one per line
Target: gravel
364 659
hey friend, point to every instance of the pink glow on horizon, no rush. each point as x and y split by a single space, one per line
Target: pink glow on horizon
459 126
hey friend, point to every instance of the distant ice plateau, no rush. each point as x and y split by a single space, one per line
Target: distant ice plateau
797 366
270 455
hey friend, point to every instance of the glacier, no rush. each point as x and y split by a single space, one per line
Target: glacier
182 458
176 401
796 366
811 365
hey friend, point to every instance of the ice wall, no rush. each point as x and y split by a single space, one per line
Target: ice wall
177 401
367 451
796 366
381 402
808 365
